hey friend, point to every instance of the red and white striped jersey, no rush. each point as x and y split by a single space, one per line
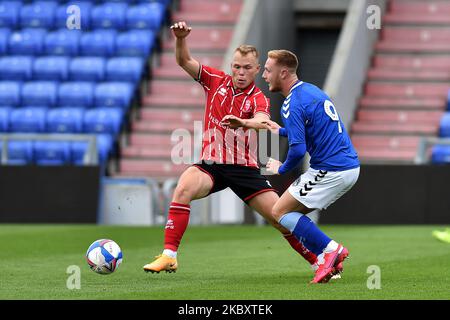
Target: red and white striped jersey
222 145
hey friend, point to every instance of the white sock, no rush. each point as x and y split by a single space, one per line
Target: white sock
332 246
170 253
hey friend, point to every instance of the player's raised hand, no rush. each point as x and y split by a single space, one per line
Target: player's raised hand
180 29
232 122
271 125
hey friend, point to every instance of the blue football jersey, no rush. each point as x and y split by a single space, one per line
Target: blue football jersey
310 117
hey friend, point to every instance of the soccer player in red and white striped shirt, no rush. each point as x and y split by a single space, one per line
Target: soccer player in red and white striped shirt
229 156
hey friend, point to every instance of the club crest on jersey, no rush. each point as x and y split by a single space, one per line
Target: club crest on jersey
247 106
223 92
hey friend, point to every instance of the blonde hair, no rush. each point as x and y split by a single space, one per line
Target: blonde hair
245 49
285 58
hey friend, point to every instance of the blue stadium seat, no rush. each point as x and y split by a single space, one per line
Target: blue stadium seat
48 153
53 3
51 68
9 14
39 93
124 69
103 120
113 94
26 42
9 93
39 14
445 125
87 69
20 152
4 39
98 43
4 119
76 94
137 43
164 2
62 42
65 120
18 68
28 120
104 147
37 33
440 154
109 16
61 14
145 16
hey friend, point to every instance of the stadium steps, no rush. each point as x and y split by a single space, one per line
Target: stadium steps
394 116
153 168
187 116
173 100
150 146
418 13
206 39
219 12
386 103
174 94
407 89
167 69
163 120
405 93
377 74
374 128
419 62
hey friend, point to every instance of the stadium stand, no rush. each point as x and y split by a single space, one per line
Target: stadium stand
65 120
406 93
45 65
9 93
53 68
173 100
57 80
20 152
51 152
16 68
28 120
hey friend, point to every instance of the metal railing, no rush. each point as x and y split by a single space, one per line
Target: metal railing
90 156
424 144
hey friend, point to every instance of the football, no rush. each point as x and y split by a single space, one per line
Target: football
104 256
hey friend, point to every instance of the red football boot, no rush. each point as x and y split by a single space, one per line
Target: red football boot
339 261
327 267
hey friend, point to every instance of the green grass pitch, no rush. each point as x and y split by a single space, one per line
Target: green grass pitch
222 262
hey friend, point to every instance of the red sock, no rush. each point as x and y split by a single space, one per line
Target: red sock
300 248
177 222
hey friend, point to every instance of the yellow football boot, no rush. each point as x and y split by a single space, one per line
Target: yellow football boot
443 236
162 263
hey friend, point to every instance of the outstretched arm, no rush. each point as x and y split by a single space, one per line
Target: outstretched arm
275 128
257 122
180 30
294 156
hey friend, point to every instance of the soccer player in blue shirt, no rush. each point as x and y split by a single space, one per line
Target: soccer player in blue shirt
312 124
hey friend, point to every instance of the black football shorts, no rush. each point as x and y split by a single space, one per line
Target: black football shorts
246 182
